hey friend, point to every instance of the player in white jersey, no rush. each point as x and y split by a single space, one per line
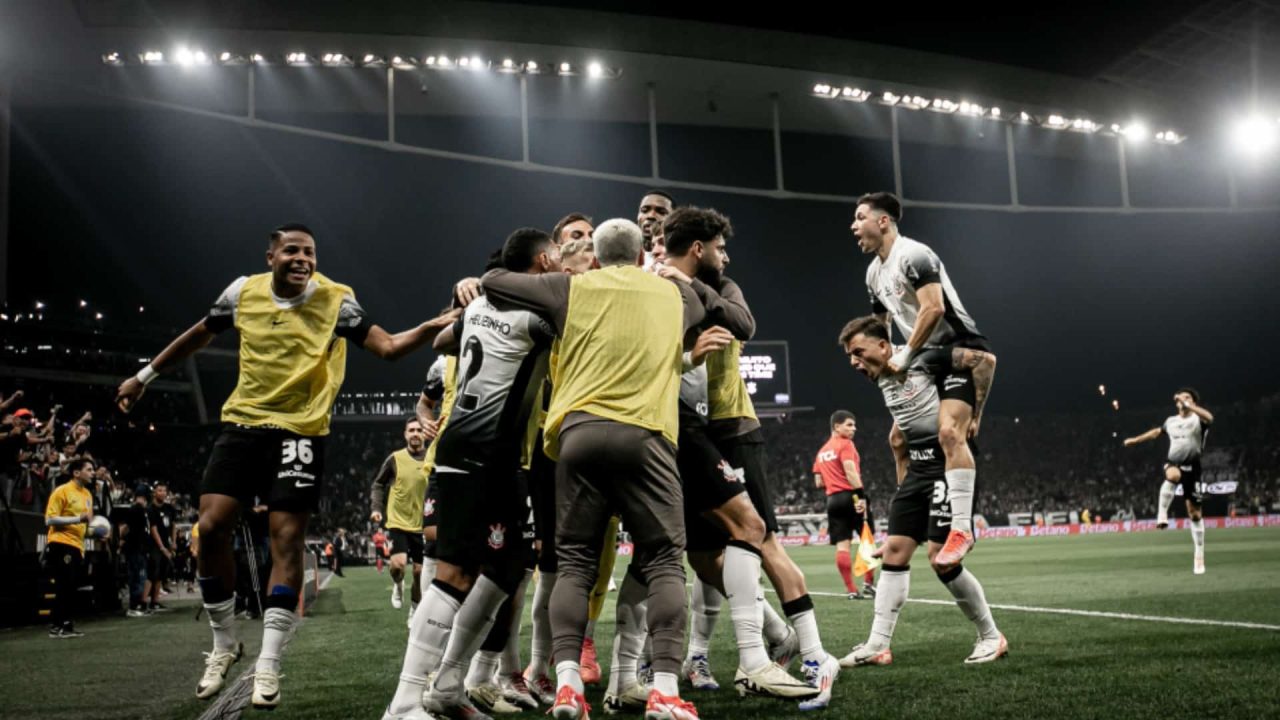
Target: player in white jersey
909 285
920 510
502 362
1187 433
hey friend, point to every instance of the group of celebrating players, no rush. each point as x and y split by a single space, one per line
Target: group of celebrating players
588 380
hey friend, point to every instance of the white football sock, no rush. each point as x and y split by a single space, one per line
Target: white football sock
666 684
775 628
475 619
972 601
704 610
428 636
1197 534
742 585
277 628
891 595
568 674
483 665
1166 499
510 661
222 620
960 484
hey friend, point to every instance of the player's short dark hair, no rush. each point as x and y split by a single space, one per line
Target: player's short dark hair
411 419
886 202
523 247
688 225
78 462
278 234
839 417
1195 396
868 325
494 261
659 193
565 222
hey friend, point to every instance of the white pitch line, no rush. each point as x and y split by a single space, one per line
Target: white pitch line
325 582
1094 613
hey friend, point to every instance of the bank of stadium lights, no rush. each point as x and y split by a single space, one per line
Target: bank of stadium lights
1135 131
1255 134
298 58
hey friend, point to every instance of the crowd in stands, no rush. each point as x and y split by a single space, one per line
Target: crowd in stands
1053 462
1038 463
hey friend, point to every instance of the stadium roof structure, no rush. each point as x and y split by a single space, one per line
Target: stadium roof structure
1047 57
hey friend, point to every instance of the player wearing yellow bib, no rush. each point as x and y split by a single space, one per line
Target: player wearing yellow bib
294 325
400 488
735 430
67 515
612 428
434 404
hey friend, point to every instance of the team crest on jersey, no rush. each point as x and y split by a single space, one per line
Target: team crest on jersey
497 536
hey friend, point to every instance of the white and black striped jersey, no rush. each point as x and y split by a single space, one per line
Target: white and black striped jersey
502 363
913 400
893 283
1186 437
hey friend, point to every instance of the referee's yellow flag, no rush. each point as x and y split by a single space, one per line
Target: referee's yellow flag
864 563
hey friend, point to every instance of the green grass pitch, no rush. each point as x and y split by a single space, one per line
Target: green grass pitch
345 659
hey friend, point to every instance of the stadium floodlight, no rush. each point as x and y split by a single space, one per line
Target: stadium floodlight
509 66
297 58
403 62
112 58
1169 137
566 69
1115 404
916 102
444 62
39 305
1024 116
183 57
478 63
889 98
1102 390
1055 121
532 67
854 94
84 303
1253 135
151 57
258 58
595 70
200 57
995 112
227 57
97 316
464 62
1135 132
821 89
142 308
336 59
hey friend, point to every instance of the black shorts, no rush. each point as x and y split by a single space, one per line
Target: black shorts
1190 471
483 521
408 542
958 384
921 509
844 522
709 482
157 565
285 470
746 455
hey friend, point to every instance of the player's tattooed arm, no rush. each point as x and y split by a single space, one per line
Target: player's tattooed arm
983 367
1151 434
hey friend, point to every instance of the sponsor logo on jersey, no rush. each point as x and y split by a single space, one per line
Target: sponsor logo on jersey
922 454
827 456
